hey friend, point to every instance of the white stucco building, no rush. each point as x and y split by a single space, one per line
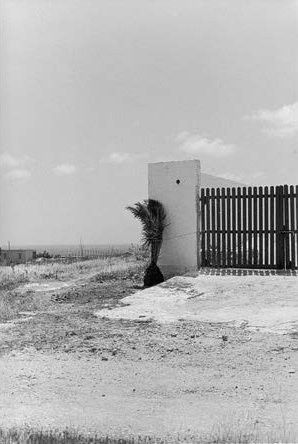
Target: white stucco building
14 257
177 186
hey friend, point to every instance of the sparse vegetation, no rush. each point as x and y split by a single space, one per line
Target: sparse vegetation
11 302
224 435
109 267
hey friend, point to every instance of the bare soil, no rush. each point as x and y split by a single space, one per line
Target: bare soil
64 365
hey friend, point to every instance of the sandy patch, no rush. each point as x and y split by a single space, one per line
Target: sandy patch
43 286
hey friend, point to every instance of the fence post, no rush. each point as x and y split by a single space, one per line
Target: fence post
201 235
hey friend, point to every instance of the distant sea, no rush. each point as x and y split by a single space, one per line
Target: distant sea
68 249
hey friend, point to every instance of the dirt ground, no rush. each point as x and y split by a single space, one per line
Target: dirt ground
195 353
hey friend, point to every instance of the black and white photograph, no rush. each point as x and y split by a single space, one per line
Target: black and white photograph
148 221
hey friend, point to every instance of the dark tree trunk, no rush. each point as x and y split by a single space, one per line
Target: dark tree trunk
153 276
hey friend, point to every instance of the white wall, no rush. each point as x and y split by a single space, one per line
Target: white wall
181 244
179 252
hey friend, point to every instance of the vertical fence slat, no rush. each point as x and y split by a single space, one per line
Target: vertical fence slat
203 233
208 227
279 228
223 226
239 226
292 227
249 226
255 226
266 228
261 252
218 236
286 236
228 227
244 227
234 257
272 236
213 241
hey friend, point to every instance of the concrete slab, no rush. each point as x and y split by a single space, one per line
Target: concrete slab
258 302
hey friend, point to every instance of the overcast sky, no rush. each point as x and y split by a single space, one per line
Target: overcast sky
93 90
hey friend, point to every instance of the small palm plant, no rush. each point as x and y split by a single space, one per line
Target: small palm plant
152 216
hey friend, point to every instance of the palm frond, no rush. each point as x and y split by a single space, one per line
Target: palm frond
152 216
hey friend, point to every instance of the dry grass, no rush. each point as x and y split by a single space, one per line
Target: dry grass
114 266
31 436
7 311
12 301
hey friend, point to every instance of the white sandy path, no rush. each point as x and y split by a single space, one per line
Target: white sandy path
155 398
268 302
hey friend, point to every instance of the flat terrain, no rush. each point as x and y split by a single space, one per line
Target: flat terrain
195 354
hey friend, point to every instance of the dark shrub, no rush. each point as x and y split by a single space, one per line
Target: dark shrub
153 275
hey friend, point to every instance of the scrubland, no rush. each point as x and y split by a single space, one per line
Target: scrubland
68 376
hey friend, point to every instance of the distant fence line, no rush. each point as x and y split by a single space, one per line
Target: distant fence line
86 253
80 254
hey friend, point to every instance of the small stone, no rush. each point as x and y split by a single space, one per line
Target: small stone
104 358
103 395
114 352
224 338
88 337
133 390
292 371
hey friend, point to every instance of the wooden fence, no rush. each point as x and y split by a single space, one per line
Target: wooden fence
249 227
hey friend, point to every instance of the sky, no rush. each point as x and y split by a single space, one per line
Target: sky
93 90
